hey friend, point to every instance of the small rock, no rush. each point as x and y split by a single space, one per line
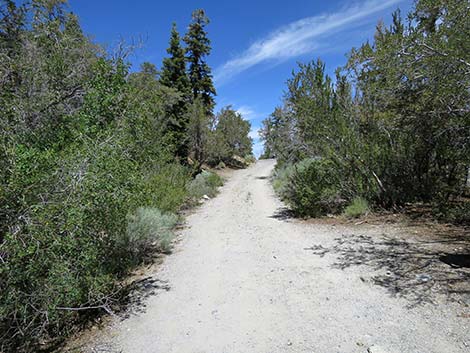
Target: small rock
423 277
205 197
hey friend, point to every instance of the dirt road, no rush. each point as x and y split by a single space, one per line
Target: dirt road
246 278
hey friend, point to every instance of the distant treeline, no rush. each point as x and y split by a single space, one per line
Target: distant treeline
94 162
393 126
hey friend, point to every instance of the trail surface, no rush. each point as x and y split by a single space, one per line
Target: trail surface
242 279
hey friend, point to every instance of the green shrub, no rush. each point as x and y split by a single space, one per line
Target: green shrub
358 207
249 158
221 165
280 179
67 250
148 229
457 213
205 183
164 187
313 188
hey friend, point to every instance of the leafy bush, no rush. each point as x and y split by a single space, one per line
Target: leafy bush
458 212
229 138
68 250
358 207
249 158
397 126
148 229
221 165
89 171
205 183
280 180
313 188
164 187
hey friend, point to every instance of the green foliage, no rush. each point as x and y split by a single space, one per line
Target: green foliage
164 186
205 184
395 122
174 76
457 212
249 158
198 130
357 208
69 251
148 229
281 178
313 188
174 67
197 48
88 178
229 138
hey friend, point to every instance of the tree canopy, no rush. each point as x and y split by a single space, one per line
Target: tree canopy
395 120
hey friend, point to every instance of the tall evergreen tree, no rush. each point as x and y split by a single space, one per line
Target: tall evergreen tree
174 75
198 47
174 67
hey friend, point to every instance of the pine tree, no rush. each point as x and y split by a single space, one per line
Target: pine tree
174 75
198 130
198 47
174 67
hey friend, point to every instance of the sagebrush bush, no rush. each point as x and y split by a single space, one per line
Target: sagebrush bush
205 183
358 207
148 229
280 179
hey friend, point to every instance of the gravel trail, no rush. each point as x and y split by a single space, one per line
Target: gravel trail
242 279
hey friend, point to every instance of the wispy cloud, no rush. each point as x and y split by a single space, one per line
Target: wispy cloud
254 133
300 37
248 113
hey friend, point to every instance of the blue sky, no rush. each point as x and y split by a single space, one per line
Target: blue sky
256 43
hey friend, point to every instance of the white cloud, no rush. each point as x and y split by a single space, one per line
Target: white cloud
247 112
300 37
254 133
258 148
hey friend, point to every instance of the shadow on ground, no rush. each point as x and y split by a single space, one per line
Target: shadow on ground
283 214
422 271
132 301
139 291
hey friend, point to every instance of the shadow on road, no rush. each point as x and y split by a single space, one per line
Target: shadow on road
419 271
283 214
139 291
456 260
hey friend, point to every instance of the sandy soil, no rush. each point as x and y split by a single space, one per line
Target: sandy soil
244 277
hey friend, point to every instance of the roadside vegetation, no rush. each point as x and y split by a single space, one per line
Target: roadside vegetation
205 184
95 163
391 128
